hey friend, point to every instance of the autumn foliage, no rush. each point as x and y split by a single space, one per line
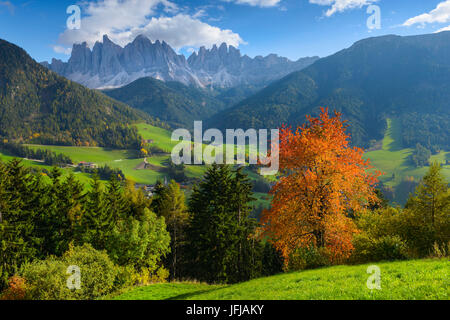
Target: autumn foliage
17 289
323 180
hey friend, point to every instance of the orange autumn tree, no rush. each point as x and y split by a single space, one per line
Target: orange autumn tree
322 180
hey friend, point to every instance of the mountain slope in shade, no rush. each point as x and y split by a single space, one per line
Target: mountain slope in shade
37 105
108 65
171 102
376 78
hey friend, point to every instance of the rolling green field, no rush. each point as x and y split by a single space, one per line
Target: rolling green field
393 159
126 160
84 178
160 136
403 280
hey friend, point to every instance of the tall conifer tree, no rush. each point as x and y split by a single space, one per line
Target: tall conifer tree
220 228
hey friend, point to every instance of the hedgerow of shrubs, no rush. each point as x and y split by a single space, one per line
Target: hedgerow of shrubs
416 231
378 249
310 257
49 279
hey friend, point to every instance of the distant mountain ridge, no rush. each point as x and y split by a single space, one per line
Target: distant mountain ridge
225 67
375 79
108 65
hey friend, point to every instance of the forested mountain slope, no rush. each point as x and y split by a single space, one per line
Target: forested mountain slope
172 102
390 76
37 105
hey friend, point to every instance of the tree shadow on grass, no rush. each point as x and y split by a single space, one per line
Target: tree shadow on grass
186 296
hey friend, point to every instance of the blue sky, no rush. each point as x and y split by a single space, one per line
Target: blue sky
290 28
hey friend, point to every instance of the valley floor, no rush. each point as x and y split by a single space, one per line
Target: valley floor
400 280
391 158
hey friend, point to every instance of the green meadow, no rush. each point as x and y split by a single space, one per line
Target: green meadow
162 138
126 160
400 280
82 177
394 160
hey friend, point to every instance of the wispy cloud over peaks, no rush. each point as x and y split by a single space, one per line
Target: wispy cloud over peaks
443 29
341 5
441 14
257 3
123 20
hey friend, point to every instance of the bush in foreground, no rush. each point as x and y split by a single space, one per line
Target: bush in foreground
48 279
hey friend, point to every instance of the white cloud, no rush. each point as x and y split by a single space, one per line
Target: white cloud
123 20
342 5
62 50
441 14
443 29
182 31
257 3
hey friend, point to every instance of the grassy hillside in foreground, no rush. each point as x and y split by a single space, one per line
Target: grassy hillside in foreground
417 279
393 159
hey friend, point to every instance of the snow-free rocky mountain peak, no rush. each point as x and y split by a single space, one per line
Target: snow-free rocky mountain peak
108 65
